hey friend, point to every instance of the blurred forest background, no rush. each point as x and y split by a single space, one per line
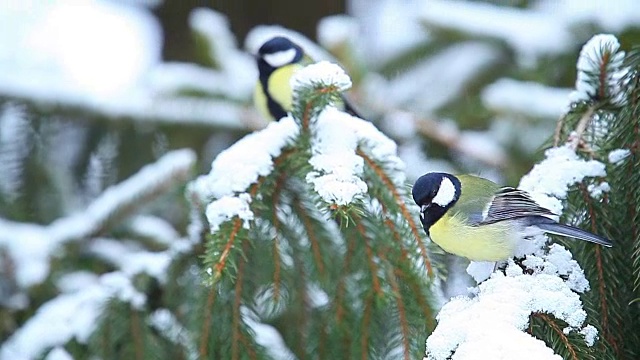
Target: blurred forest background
109 108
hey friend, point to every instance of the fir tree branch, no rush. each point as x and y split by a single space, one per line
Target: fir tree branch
404 325
396 235
341 283
206 324
248 347
372 265
104 340
136 333
276 242
607 332
236 319
422 302
222 261
364 341
315 246
552 324
303 304
115 203
403 207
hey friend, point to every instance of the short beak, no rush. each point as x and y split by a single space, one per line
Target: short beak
423 208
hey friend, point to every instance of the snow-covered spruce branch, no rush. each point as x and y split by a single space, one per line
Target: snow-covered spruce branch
600 84
72 315
272 195
84 297
31 246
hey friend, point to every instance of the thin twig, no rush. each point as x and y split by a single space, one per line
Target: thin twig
136 333
575 139
206 325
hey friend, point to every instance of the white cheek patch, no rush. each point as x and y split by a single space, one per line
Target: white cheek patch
446 193
280 58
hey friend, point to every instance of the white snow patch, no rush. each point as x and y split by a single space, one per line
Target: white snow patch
597 190
411 153
14 148
400 124
239 166
324 73
169 326
449 71
558 261
170 78
58 353
549 180
155 228
76 281
480 270
132 260
529 33
527 98
590 65
491 325
267 336
336 30
618 155
85 50
226 208
482 144
104 58
590 334
317 296
614 16
237 69
337 168
388 30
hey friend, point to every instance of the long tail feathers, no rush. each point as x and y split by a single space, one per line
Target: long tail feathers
566 230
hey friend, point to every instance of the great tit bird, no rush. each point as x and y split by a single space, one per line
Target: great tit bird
278 59
474 217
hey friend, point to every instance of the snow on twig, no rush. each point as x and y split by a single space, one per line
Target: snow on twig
601 71
234 170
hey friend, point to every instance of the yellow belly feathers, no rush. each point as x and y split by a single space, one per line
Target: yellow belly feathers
279 89
486 243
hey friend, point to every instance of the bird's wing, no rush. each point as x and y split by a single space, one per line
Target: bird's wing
509 203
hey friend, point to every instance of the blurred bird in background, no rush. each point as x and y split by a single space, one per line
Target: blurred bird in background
278 59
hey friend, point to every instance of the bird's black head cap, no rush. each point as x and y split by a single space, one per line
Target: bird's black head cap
278 45
435 193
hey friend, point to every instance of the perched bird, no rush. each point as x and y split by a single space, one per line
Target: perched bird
278 59
474 217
